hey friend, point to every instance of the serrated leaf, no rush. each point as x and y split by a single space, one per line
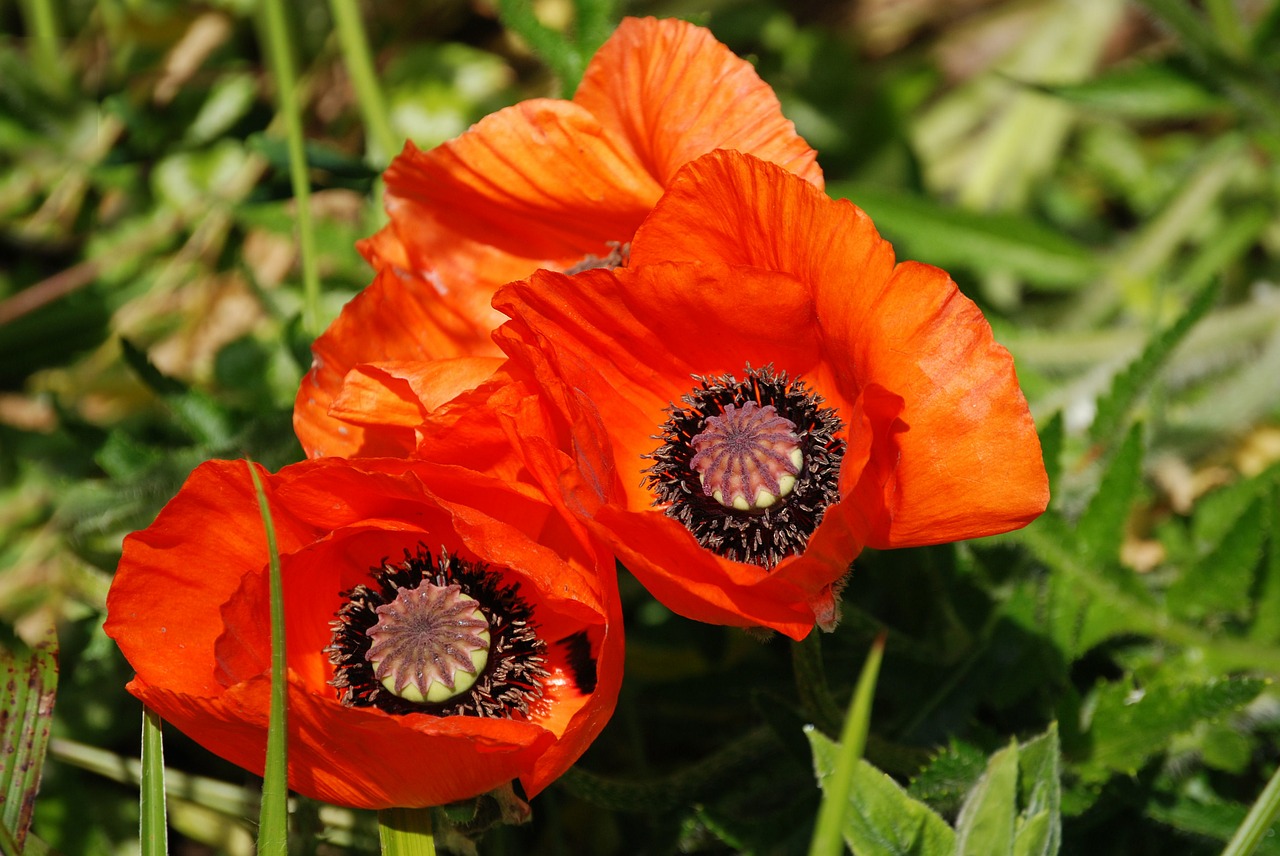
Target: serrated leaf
1128 725
986 822
1132 383
882 819
1216 512
946 236
1101 526
29 678
1266 622
1149 91
1221 582
949 776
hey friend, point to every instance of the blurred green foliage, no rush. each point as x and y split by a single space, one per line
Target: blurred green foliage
1101 177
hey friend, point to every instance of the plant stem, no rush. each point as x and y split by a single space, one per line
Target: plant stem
812 686
1258 821
406 832
382 143
280 56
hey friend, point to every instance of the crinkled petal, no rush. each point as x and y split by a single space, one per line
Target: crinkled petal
540 179
673 93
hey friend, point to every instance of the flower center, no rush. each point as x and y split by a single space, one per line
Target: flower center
747 458
438 635
748 466
430 643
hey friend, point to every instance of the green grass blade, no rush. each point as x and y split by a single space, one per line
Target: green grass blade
406 832
1257 823
383 144
550 46
153 823
279 53
274 820
30 680
828 837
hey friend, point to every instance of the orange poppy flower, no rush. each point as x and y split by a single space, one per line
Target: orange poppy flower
382 560
543 184
808 396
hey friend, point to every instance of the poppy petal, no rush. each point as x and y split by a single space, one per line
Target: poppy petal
673 93
969 461
541 180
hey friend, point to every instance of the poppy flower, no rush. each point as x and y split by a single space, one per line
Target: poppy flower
383 561
778 393
543 184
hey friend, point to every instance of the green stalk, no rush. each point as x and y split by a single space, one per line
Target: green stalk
812 686
1228 26
1257 823
382 143
273 822
828 836
280 56
153 825
41 21
406 832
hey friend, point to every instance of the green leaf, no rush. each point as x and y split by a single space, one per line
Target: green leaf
1132 383
883 820
1148 91
1128 725
1101 527
1040 795
1266 622
1052 440
29 677
949 776
1216 513
945 236
1221 582
985 824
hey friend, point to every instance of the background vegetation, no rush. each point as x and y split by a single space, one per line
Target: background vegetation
1101 176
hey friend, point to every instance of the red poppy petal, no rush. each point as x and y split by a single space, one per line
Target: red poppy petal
162 607
673 93
396 318
354 757
969 460
540 179
697 584
735 209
